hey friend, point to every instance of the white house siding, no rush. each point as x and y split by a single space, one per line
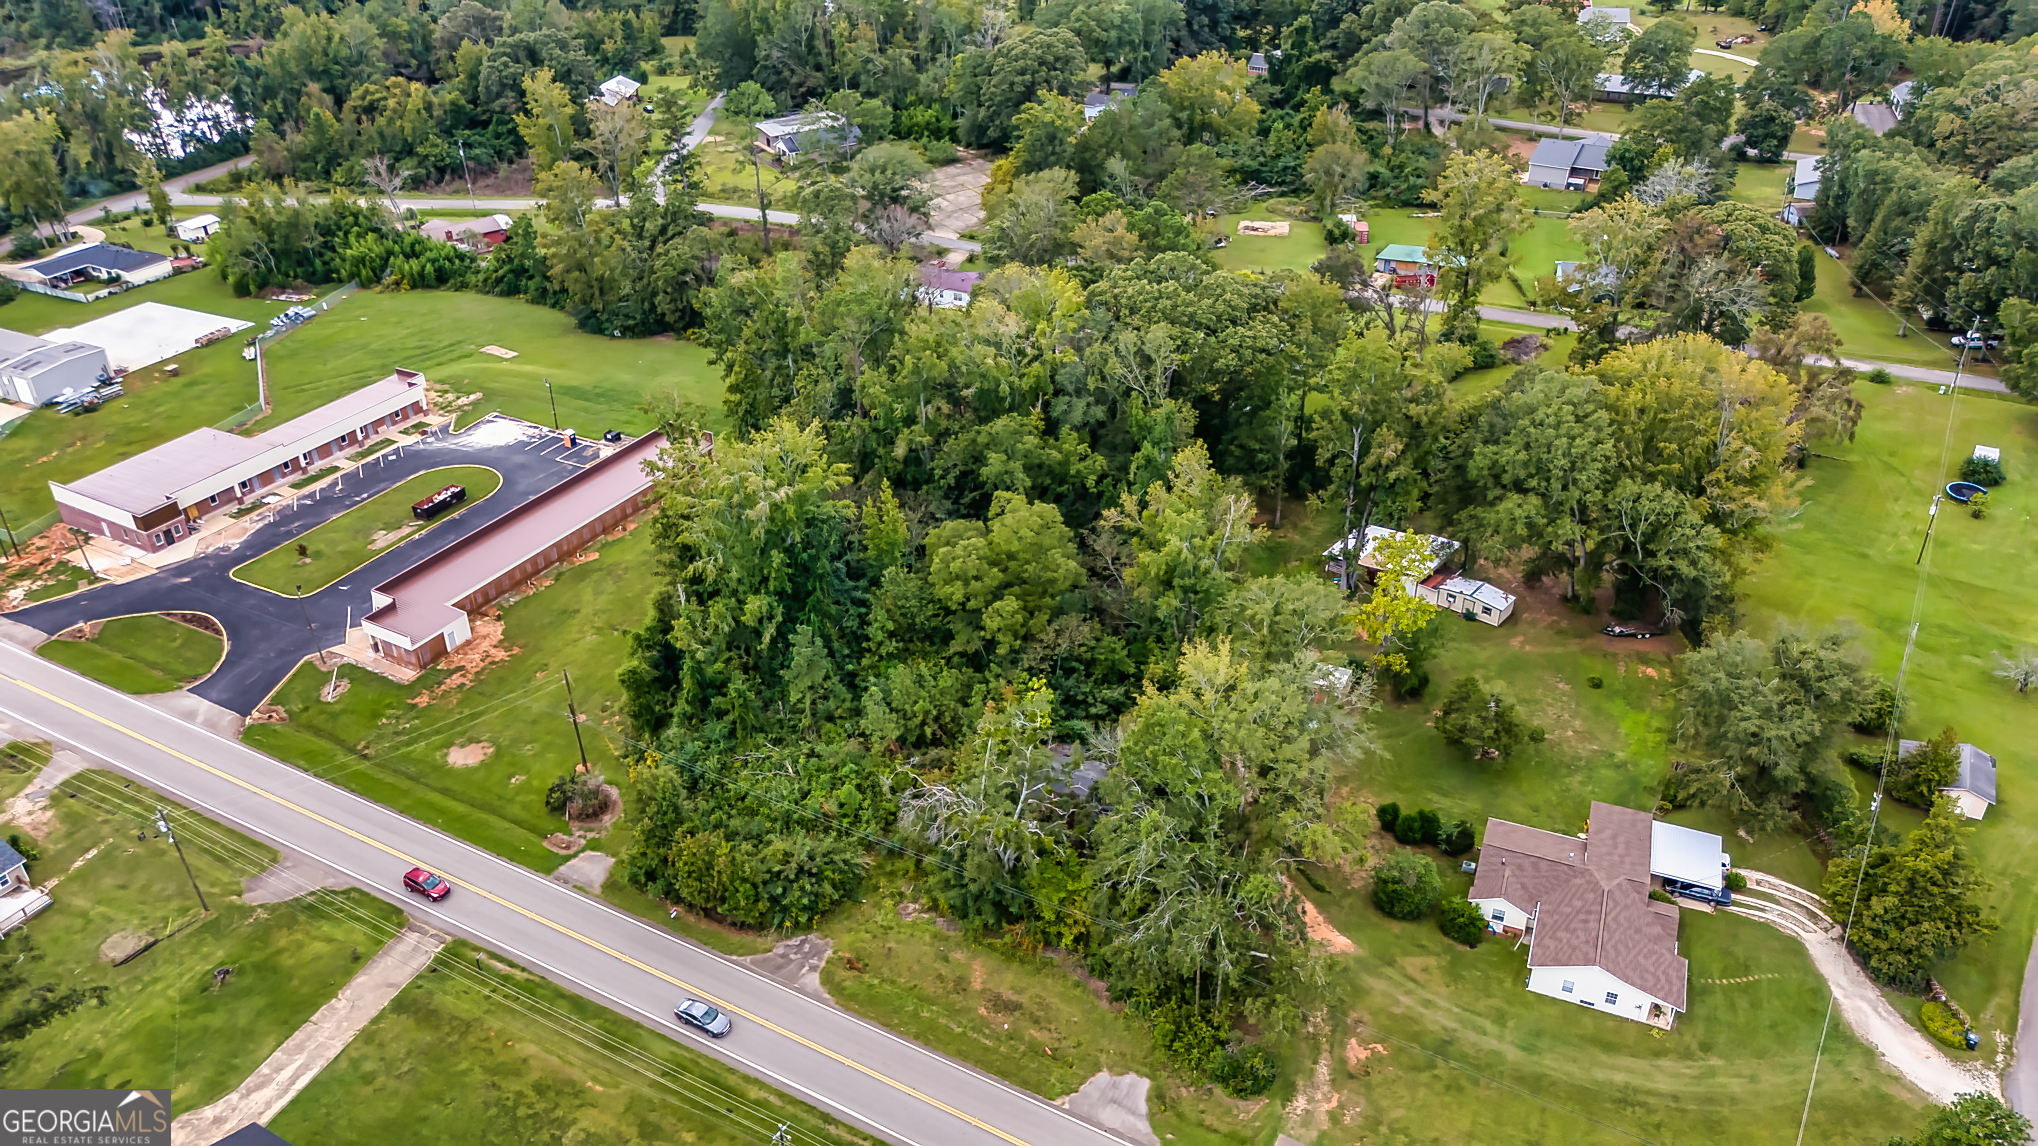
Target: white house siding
149 274
1502 914
1590 987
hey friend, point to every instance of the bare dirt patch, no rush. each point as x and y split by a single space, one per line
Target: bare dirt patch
123 945
333 689
1320 930
199 621
468 755
384 538
1356 1054
483 651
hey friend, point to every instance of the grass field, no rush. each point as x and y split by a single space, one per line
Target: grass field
140 655
350 540
1461 1053
488 1053
163 1023
1848 558
598 381
1302 246
1024 1018
376 741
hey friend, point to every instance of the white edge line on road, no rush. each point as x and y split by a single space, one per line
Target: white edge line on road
519 871
655 1021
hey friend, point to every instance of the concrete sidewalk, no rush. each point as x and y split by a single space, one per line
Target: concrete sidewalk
315 1045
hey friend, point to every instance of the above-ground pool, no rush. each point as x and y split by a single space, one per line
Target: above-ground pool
1962 490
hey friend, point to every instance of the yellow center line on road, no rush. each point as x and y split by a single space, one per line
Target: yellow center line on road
527 913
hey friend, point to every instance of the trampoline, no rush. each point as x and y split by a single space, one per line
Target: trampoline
1961 491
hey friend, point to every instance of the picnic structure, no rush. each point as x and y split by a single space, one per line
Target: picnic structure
1582 905
424 612
152 500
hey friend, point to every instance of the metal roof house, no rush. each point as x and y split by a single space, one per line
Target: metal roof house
1973 789
97 261
155 498
1804 190
1470 598
1622 19
1595 937
616 89
1256 65
791 136
1572 164
1368 543
483 234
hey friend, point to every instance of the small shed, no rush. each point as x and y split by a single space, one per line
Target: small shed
617 89
196 229
1358 227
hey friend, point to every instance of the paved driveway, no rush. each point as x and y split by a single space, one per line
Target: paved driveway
266 634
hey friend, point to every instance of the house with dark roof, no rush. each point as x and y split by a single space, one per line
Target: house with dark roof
19 898
1595 938
99 262
945 288
1973 789
1106 97
1571 164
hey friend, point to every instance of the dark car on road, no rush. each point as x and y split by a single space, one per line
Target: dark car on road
424 883
695 1013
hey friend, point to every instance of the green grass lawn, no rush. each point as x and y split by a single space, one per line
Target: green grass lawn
1023 1018
1848 558
349 541
145 654
598 382
1302 245
163 1023
376 741
1761 185
1465 1054
1867 328
488 1053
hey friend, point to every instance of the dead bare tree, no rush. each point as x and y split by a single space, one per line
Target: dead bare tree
388 178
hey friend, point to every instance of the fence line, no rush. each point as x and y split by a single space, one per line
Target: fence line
247 414
23 533
71 296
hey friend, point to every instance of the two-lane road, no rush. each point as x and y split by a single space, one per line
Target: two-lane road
852 1069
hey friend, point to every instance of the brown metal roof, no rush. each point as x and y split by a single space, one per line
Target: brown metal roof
423 596
1590 896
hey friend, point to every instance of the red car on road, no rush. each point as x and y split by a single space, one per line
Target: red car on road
430 886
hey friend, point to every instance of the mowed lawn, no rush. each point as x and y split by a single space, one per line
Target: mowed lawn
598 382
1460 1052
145 654
164 1023
1849 558
361 534
1302 246
477 1051
376 741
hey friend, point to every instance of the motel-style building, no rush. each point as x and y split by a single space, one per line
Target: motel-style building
422 613
155 498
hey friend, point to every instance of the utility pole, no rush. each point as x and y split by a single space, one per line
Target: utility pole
163 826
784 1136
555 403
469 175
78 538
574 715
9 531
763 213
317 657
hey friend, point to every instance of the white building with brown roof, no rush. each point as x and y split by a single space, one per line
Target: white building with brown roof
1595 938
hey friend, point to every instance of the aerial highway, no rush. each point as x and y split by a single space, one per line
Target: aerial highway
857 1071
